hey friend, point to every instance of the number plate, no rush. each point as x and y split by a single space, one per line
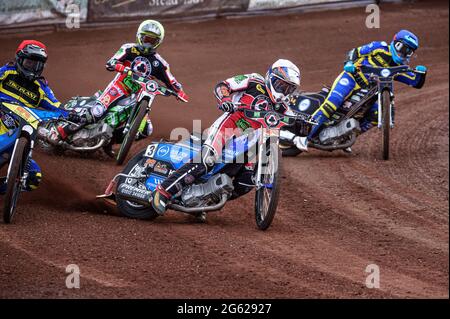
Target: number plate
151 150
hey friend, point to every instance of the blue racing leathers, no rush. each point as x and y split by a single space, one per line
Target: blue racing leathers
376 54
33 94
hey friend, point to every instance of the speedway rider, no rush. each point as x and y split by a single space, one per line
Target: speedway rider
21 81
139 58
378 54
253 91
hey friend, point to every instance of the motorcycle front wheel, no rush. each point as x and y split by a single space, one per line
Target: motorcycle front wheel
267 195
14 179
386 130
131 135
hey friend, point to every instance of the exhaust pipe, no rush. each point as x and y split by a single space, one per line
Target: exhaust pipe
43 134
84 148
145 197
195 210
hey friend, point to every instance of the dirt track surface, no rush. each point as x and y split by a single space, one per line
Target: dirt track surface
337 214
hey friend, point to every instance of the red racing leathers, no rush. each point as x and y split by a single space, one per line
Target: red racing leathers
142 61
247 90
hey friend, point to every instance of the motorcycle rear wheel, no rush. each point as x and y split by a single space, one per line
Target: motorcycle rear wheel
127 208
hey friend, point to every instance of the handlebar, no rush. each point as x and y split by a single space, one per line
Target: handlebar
160 88
385 72
262 114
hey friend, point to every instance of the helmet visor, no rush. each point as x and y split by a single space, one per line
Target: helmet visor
33 66
152 40
282 86
403 50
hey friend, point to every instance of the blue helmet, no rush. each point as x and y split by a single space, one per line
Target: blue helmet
403 46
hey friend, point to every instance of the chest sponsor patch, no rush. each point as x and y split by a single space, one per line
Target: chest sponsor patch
142 66
23 92
261 103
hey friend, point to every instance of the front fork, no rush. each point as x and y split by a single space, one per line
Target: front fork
267 138
136 111
24 177
391 109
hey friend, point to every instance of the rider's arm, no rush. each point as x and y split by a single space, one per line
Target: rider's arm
414 79
48 101
4 70
166 75
116 62
225 89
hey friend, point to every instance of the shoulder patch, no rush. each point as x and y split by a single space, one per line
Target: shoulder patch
240 78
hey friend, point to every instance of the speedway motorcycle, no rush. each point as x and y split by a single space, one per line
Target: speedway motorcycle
341 131
132 189
119 126
22 139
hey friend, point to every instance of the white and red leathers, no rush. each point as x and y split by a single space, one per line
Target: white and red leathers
142 61
247 91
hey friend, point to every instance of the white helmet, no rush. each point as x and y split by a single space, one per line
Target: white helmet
150 33
282 79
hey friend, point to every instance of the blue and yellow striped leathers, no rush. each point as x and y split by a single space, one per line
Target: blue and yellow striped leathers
377 54
34 94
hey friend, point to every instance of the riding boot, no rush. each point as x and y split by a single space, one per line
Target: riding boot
175 183
370 120
185 176
320 117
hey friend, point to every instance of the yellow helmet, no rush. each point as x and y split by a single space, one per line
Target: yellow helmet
150 33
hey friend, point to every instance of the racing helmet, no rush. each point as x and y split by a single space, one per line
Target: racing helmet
150 34
403 46
282 79
31 56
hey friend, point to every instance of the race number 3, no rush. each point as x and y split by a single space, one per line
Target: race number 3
151 150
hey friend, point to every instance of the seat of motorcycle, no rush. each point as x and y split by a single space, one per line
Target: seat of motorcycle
308 103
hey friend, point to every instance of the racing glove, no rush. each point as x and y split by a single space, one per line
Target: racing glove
226 105
421 72
121 68
350 67
421 69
